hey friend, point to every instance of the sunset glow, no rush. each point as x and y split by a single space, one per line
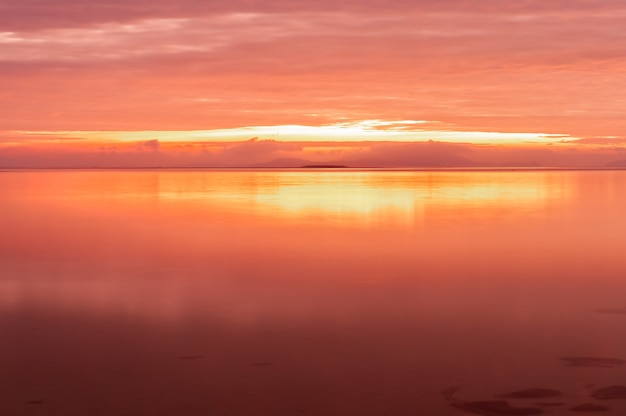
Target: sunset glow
367 130
312 207
78 83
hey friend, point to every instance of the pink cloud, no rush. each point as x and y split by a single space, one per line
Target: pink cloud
67 13
546 67
150 145
273 153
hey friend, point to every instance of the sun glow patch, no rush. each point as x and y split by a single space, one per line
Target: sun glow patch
358 131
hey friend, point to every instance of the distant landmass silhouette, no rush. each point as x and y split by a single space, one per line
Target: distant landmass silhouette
324 166
617 164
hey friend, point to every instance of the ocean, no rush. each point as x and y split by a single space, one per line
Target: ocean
312 292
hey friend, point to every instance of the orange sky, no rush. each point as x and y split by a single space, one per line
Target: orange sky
365 83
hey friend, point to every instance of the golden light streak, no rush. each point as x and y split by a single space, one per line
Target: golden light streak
365 130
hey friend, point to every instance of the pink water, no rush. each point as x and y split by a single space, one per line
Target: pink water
326 292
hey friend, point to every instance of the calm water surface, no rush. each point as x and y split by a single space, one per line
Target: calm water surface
308 292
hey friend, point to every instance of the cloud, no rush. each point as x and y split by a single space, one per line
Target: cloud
148 154
17 137
550 66
425 154
40 14
256 152
600 141
150 145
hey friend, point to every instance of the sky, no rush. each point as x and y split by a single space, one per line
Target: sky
88 83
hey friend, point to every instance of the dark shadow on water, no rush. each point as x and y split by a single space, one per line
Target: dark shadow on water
600 362
536 393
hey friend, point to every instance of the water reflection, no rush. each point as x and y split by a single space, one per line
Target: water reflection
329 293
357 198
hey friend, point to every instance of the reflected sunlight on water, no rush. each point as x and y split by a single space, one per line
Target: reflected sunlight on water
323 293
356 198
